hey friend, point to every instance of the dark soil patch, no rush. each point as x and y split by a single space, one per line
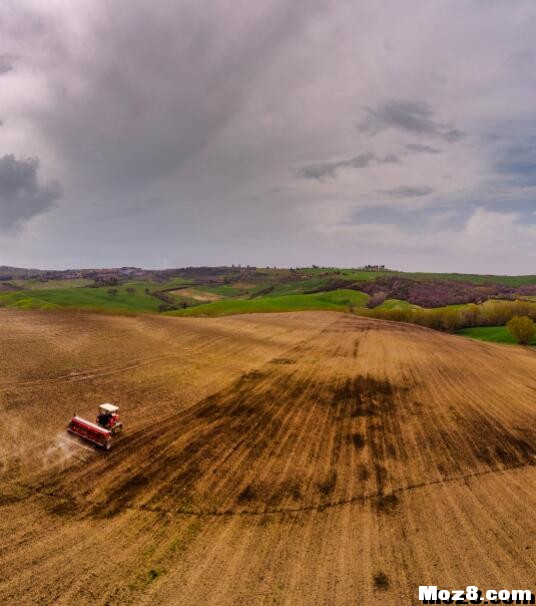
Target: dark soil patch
381 581
363 473
252 376
327 486
284 490
364 395
387 503
124 494
358 440
64 508
247 495
9 499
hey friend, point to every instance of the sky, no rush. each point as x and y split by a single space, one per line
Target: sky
268 132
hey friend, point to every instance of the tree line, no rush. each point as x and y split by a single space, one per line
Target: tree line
450 319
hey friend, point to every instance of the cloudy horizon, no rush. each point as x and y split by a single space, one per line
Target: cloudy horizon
286 133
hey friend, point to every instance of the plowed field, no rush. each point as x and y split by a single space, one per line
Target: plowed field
302 458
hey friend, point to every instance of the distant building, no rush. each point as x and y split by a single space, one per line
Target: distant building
129 271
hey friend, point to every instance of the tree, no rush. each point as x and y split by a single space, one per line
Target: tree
449 320
522 329
376 299
112 291
131 291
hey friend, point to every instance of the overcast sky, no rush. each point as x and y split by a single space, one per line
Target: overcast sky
280 132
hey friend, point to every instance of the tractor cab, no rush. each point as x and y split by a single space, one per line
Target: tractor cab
104 431
108 417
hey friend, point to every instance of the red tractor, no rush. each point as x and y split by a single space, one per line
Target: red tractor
101 432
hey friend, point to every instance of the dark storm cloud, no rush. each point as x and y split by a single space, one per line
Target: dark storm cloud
6 64
417 148
22 196
407 191
411 220
329 170
159 85
517 162
412 116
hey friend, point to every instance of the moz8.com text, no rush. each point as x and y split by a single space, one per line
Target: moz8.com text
431 594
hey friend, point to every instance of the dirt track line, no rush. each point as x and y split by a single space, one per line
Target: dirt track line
136 363
361 499
109 370
86 376
83 376
340 503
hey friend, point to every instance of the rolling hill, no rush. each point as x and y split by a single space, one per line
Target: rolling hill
296 458
441 301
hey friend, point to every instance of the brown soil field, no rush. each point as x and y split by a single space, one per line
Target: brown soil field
302 458
198 295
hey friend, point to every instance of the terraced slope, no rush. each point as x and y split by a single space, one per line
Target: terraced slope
305 458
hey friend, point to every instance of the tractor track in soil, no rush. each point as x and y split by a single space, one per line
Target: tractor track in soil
334 451
358 500
107 371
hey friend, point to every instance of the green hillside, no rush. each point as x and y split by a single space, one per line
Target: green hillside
337 300
421 297
396 304
496 334
83 298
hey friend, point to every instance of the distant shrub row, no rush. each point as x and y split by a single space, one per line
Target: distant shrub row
449 319
437 293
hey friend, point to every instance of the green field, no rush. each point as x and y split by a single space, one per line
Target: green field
322 272
51 284
141 285
241 289
337 300
77 293
298 287
83 298
495 334
397 304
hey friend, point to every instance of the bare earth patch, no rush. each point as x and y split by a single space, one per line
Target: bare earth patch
198 295
264 461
